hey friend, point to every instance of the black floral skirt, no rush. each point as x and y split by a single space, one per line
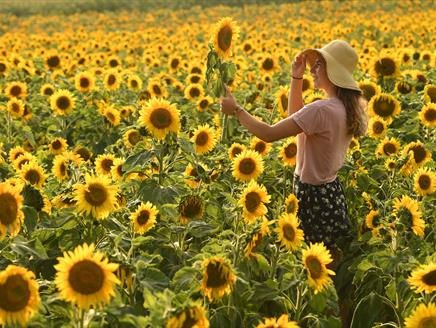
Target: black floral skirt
323 213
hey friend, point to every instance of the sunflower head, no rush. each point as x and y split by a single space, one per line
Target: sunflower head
384 106
11 214
260 146
291 204
430 93
218 278
224 35
253 200
288 152
204 139
190 208
388 147
423 278
247 165
425 180
62 102
377 127
84 82
144 218
290 236
427 115
385 67
408 214
315 259
424 316
190 316
235 149
369 89
58 145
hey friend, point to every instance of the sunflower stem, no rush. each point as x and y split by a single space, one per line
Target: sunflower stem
274 261
9 121
224 128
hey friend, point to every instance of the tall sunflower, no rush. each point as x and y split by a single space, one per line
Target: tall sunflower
425 180
58 146
385 106
218 278
427 115
423 278
282 100
62 102
424 316
33 174
407 211
288 152
19 296
96 196
291 204
190 208
253 200
11 214
235 149
289 235
247 165
315 259
84 82
204 139
190 317
144 218
85 278
260 146
224 35
104 163
160 117
388 147
282 322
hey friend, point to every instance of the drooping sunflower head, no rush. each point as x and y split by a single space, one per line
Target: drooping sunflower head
291 204
408 214
247 165
427 115
16 90
62 102
224 35
290 236
57 146
423 278
403 87
104 163
425 180
424 316
160 117
384 105
430 93
377 127
235 149
85 278
369 89
288 152
388 147
419 155
144 218
253 200
260 146
204 139
191 208
385 67
190 316
11 214
218 278
19 296
84 81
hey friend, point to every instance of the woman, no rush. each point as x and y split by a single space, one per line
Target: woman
324 130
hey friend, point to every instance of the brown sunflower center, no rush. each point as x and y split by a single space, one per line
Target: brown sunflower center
84 153
202 138
32 176
63 102
252 201
424 182
22 162
430 115
384 107
216 275
284 102
63 169
157 90
375 220
427 322
110 116
86 277
315 267
291 150
14 294
195 79
143 217
268 64
225 38
96 194
134 137
84 82
160 118
236 151
404 87
113 63
260 147
368 91
111 79
106 164
53 61
389 148
204 103
15 107
247 47
2 68
288 232
190 319
385 67
431 92
419 153
247 166
16 90
429 278
291 207
56 144
134 83
175 63
378 127
48 91
8 209
194 92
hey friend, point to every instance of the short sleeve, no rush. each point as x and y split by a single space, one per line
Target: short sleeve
310 118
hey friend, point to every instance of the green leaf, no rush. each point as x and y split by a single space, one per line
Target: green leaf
30 218
318 302
185 279
367 311
151 278
138 159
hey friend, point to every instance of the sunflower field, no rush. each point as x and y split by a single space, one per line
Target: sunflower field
128 200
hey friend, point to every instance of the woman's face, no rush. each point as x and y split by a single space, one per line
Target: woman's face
319 73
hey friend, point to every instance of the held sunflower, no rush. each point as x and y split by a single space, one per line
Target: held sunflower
224 35
218 278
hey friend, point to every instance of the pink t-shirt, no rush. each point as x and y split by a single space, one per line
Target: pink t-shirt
324 142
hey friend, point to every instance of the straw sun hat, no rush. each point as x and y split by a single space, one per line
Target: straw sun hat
341 61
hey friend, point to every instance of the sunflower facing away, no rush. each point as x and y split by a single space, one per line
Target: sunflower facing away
62 102
85 278
282 322
224 35
423 278
253 200
408 213
424 181
204 139
192 316
290 236
288 152
218 278
315 259
424 316
160 117
19 296
96 196
247 165
190 208
144 218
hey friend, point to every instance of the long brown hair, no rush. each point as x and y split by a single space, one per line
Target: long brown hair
355 104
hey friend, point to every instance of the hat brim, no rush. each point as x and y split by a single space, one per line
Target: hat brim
336 72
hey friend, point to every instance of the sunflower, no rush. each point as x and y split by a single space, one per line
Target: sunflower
235 149
16 152
11 214
268 64
114 61
218 278
377 127
281 98
134 82
315 259
84 81
253 200
3 67
112 79
281 322
224 35
390 164
160 117
424 316
131 137
33 174
15 107
385 106
190 208
369 89
407 211
193 180
203 103
47 89
85 278
194 91
403 87
62 102
257 238
191 316
388 147
64 164
423 278
430 93
53 61
372 219
424 181
112 115
419 155
23 159
96 196
16 90
58 146
385 67
174 63
104 163
289 234
156 89
314 96
291 204
247 165
288 152
260 146
19 299
83 152
117 169
194 78
144 218
427 115
204 139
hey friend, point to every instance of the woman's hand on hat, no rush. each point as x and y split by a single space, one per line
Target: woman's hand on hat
228 103
299 66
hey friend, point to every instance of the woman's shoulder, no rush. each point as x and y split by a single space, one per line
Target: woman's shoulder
322 103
